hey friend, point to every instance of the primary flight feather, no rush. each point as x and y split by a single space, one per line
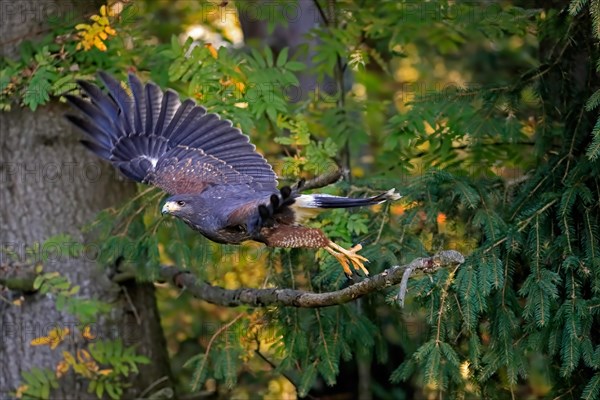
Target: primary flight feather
220 185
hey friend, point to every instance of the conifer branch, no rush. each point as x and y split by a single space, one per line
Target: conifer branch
299 298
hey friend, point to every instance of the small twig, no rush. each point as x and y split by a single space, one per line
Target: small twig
4 299
133 309
321 12
272 364
570 154
212 339
153 385
443 297
523 224
404 286
322 180
432 264
383 221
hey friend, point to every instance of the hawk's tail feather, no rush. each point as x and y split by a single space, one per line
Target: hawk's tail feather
329 201
307 206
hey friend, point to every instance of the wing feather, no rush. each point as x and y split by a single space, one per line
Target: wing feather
121 98
96 148
92 131
139 103
94 114
154 137
170 104
102 100
180 115
190 129
153 104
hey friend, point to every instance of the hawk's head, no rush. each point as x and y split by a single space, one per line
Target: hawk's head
205 216
184 206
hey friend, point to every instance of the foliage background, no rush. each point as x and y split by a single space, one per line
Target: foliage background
484 115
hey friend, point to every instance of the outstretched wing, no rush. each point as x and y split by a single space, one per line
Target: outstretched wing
153 137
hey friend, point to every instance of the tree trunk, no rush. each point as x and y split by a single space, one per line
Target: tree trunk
51 185
299 18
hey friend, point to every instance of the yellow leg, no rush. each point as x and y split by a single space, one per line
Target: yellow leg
343 256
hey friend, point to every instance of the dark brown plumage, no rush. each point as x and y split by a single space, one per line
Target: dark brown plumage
220 185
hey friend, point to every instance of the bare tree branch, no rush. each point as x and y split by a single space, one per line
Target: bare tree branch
298 298
281 297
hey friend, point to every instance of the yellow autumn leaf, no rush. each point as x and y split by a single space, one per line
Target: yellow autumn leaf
397 209
359 172
54 338
87 365
62 368
58 335
212 49
99 44
240 87
105 371
92 366
441 218
83 370
231 81
83 356
20 390
87 333
69 357
95 34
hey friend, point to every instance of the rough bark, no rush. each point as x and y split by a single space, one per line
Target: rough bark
398 274
184 279
50 186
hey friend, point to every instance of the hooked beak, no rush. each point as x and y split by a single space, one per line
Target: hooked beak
169 208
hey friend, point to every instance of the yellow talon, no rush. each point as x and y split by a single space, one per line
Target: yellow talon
343 256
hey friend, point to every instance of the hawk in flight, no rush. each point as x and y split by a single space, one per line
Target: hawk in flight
219 185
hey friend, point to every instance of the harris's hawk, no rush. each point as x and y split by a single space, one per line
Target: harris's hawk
219 185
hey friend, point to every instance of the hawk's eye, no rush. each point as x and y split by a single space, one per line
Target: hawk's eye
181 203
